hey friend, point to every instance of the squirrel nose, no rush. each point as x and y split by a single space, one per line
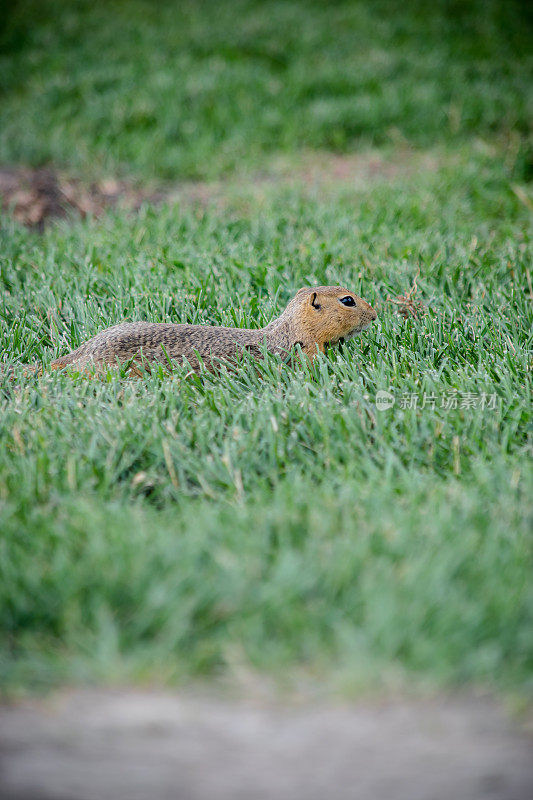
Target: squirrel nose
373 314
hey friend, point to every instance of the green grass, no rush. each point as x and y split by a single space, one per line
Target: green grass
199 88
181 527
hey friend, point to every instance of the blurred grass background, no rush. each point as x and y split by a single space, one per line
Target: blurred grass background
184 527
172 89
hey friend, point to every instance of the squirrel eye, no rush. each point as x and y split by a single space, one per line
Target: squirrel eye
347 301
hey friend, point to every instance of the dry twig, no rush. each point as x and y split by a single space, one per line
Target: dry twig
408 305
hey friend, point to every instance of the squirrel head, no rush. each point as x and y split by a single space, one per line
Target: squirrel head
328 314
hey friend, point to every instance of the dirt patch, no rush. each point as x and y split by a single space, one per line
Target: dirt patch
36 196
133 745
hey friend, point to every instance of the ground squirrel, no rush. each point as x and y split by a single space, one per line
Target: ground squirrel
315 318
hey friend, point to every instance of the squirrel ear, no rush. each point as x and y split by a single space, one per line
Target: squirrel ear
313 301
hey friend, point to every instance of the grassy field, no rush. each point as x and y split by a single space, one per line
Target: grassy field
171 89
183 527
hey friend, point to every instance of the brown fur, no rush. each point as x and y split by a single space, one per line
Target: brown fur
314 319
